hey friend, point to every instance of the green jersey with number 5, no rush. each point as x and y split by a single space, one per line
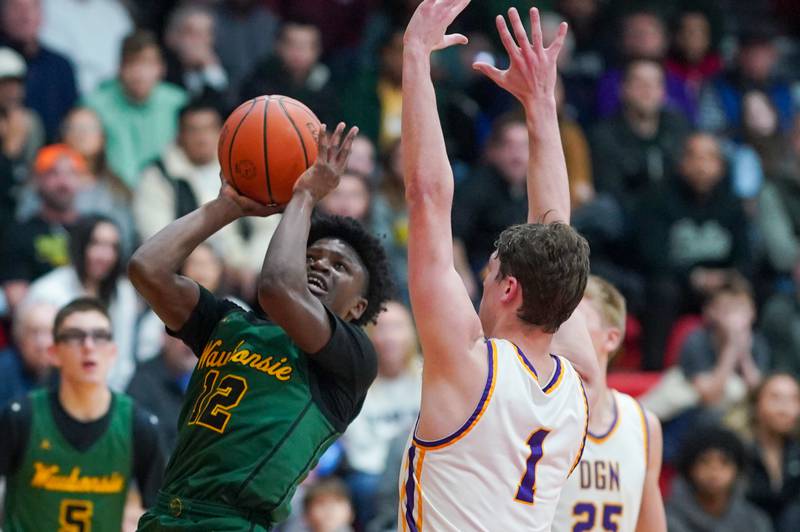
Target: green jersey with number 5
60 488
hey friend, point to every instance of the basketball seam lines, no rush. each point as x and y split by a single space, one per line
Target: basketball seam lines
230 148
297 130
303 108
266 157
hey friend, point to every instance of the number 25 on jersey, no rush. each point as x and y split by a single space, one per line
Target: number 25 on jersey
586 512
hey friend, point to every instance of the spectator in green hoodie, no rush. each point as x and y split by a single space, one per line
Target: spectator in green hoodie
138 110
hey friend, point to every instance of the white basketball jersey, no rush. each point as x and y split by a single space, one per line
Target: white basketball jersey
503 469
605 492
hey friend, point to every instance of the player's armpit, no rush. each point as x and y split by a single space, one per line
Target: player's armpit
652 517
449 395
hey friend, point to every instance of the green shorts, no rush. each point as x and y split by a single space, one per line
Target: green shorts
179 514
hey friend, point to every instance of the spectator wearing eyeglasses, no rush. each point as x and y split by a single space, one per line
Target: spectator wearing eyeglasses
50 477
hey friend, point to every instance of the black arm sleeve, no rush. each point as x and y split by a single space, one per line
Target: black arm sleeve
15 427
149 459
344 368
205 316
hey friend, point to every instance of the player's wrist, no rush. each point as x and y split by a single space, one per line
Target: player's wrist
539 103
226 208
305 195
416 49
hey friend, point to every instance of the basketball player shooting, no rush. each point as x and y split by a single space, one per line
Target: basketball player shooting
502 421
267 397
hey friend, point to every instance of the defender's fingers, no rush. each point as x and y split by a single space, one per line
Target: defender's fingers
536 30
520 34
488 70
558 42
505 37
455 39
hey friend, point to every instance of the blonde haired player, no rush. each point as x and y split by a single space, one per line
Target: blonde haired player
615 487
502 421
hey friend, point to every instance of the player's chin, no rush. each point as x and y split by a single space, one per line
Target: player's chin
93 375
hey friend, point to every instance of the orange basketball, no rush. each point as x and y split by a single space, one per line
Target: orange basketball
264 146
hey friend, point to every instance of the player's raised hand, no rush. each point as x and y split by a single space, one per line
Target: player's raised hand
332 154
531 73
428 26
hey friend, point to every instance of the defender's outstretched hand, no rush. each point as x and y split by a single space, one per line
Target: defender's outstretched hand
531 73
332 155
427 27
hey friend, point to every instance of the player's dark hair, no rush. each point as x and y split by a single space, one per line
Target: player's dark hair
199 105
331 487
82 304
551 264
380 287
137 42
80 238
702 439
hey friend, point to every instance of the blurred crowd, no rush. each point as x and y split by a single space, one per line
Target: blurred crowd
682 139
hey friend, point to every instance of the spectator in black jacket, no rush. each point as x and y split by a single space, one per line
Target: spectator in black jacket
692 232
192 62
492 198
38 244
774 460
639 146
295 70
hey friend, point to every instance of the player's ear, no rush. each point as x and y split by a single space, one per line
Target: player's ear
511 288
613 339
357 309
52 356
113 351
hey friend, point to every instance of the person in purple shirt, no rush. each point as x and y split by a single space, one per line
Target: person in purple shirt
50 86
642 36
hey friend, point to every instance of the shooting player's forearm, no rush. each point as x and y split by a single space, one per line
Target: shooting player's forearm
162 255
284 267
548 183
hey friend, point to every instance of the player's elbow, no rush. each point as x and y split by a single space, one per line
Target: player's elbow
269 284
138 269
422 190
276 285
145 273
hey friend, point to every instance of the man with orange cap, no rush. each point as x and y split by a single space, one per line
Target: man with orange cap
32 247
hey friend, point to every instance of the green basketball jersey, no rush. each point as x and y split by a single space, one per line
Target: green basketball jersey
249 430
58 488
